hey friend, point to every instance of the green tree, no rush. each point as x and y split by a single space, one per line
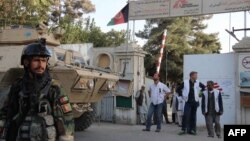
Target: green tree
24 12
67 14
31 12
75 33
90 33
185 36
115 38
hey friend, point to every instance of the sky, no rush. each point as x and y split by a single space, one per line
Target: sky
107 9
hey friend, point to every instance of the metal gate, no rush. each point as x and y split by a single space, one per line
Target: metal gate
107 108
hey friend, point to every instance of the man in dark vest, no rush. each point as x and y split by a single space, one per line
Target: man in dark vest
212 109
189 90
36 109
141 101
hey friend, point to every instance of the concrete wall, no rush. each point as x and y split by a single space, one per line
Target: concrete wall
84 49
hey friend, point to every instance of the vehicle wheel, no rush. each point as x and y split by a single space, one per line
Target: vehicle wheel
84 121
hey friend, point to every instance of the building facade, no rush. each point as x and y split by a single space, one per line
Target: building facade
128 63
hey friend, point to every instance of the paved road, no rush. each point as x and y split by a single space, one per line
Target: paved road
115 132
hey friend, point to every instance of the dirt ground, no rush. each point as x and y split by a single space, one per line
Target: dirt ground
116 132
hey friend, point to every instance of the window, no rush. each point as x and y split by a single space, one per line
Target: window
124 102
60 56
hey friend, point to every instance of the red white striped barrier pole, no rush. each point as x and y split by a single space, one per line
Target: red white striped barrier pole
164 36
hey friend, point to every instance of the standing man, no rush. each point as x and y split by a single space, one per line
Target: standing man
141 101
212 109
37 108
189 90
174 108
157 93
179 109
164 112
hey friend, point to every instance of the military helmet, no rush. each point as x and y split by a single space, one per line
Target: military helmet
36 49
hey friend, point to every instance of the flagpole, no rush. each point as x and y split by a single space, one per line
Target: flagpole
128 34
230 17
245 23
128 28
133 36
127 45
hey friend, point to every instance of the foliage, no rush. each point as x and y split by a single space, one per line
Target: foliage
67 14
185 36
90 33
31 12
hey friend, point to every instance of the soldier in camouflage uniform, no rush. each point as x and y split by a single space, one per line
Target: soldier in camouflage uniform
36 108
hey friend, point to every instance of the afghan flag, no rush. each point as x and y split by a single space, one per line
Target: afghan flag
121 17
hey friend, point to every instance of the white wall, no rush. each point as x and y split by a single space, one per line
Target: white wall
221 69
84 49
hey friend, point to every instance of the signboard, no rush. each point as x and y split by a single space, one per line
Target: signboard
147 9
222 6
185 7
124 88
244 70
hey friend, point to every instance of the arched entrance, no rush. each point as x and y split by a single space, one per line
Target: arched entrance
104 61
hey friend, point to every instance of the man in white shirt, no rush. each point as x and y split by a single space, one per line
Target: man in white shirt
157 94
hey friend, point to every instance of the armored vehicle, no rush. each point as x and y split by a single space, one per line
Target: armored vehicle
84 85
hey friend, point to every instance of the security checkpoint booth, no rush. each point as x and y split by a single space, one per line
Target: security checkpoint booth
128 62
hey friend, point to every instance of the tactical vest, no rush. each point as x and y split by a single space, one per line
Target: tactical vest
38 123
